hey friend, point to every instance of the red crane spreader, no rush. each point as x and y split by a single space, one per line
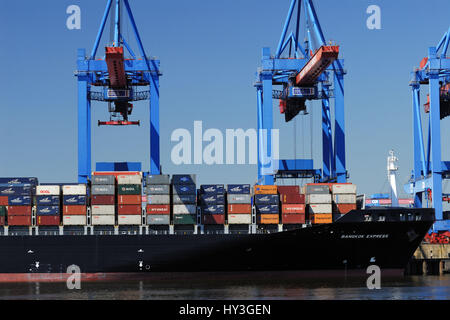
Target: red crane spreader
319 62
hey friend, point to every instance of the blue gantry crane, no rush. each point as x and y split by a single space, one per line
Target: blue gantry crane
117 81
429 169
304 72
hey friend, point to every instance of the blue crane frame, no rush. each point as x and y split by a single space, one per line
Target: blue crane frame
276 70
90 71
429 169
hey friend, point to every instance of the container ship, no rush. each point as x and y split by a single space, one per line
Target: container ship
124 224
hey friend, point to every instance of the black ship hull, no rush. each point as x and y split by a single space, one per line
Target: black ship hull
352 244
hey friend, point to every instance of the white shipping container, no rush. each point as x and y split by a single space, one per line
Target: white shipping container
48 190
77 220
103 220
158 199
103 210
344 198
239 218
74 190
129 179
184 209
130 219
320 208
318 198
340 188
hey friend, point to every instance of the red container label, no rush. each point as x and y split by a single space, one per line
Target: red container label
77 210
293 218
293 208
158 209
129 209
292 198
213 219
3 200
19 220
288 189
48 220
129 199
240 208
102 200
19 210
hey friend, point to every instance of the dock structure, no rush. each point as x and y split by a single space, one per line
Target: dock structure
430 259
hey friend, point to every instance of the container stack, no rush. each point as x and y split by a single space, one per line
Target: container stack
103 200
212 204
75 202
239 204
48 205
129 194
344 198
292 205
158 199
318 200
184 199
267 203
16 198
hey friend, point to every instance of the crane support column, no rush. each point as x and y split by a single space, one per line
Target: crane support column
155 165
339 127
327 143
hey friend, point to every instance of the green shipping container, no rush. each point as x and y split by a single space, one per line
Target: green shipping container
129 189
3 211
184 219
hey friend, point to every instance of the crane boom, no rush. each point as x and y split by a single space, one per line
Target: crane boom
319 62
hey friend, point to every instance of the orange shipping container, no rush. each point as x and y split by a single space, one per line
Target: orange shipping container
293 218
3 200
74 210
240 208
129 209
344 208
268 219
321 218
293 208
130 199
265 189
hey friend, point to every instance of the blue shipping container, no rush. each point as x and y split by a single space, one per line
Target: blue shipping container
238 188
47 210
16 191
183 179
267 199
213 209
211 199
19 200
212 189
184 189
47 200
270 208
74 200
29 181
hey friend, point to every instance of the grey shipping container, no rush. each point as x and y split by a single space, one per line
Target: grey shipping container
183 179
157 189
158 219
184 199
320 189
239 198
100 189
157 179
158 199
105 180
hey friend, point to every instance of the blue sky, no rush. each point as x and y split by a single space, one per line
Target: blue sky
209 52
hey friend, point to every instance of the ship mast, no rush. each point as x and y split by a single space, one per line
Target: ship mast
392 169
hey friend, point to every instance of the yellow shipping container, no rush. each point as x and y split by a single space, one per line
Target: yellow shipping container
268 219
265 189
321 218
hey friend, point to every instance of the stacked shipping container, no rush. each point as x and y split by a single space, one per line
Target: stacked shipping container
129 193
103 199
267 203
239 204
212 204
48 205
184 199
75 203
16 194
344 197
292 205
158 199
318 199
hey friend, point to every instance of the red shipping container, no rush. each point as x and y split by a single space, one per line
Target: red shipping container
75 210
3 200
2 220
239 208
288 189
103 200
293 208
48 220
19 210
129 199
293 218
158 209
344 208
19 220
213 219
129 209
292 198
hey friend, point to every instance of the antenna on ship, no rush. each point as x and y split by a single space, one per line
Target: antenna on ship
392 169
